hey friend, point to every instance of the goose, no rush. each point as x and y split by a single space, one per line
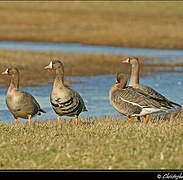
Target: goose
131 102
64 100
134 82
21 104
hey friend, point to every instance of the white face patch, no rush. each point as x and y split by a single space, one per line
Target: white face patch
7 71
51 65
127 60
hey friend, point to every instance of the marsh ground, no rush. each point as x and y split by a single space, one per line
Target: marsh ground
104 143
31 65
125 24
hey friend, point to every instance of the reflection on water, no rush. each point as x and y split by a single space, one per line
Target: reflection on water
94 91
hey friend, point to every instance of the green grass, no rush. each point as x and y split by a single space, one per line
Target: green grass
104 143
127 24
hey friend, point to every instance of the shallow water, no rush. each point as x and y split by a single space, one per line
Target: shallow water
95 90
159 54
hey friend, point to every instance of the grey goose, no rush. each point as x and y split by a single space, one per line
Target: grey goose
21 104
134 82
132 102
64 100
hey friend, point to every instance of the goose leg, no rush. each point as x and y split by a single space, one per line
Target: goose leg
58 120
29 120
76 120
16 121
129 119
146 118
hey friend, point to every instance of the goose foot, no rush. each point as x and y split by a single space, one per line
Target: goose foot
129 119
76 120
146 118
16 121
29 120
58 120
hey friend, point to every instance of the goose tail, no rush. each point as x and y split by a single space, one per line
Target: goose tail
41 110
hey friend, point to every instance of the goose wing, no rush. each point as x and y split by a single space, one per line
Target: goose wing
132 96
150 92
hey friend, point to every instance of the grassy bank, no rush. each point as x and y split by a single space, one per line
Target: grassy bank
31 65
104 143
127 24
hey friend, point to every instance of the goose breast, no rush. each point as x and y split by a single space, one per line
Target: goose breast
22 104
67 102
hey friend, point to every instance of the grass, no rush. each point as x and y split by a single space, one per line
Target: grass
127 24
104 143
31 65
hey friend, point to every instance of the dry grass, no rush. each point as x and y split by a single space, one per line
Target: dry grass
127 24
31 65
104 143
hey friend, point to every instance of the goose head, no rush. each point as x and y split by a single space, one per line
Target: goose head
130 60
121 80
10 71
54 65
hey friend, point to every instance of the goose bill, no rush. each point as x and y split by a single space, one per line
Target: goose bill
50 66
126 61
5 72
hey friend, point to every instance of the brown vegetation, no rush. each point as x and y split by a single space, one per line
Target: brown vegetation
31 65
126 24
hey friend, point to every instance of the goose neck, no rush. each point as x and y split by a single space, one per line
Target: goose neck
14 84
134 79
59 79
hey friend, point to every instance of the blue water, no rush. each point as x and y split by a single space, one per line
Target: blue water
95 89
159 54
95 93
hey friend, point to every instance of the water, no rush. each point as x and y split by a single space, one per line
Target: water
95 93
159 54
95 89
